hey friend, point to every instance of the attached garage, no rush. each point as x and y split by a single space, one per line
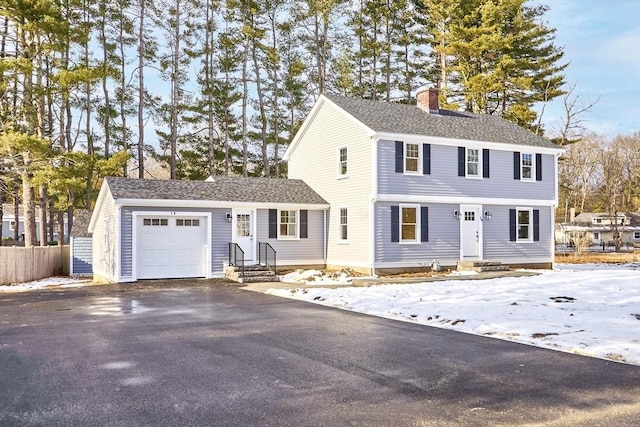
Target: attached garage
170 246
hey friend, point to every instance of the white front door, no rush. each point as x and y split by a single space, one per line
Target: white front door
243 232
470 231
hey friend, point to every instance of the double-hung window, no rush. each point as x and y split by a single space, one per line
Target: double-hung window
636 235
343 225
473 162
288 224
12 225
412 158
524 225
343 170
527 166
409 224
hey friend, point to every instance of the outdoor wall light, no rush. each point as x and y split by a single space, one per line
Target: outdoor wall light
456 214
487 215
228 216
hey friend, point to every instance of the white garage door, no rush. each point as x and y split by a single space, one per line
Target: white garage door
170 247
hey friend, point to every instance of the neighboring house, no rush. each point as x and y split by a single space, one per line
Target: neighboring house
410 184
81 245
9 224
151 229
602 229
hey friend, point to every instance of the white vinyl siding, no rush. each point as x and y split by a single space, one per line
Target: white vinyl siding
332 130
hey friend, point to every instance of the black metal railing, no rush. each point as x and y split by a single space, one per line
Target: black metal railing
267 256
236 256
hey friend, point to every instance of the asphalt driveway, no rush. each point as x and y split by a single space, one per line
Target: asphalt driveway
204 353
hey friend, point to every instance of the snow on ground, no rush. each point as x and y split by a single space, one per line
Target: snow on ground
589 309
62 282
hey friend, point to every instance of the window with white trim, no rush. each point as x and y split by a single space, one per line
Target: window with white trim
342 162
636 235
473 162
524 225
12 225
155 222
288 224
596 235
411 158
527 166
187 222
409 223
343 225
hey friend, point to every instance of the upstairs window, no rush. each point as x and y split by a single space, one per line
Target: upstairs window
412 158
342 163
473 162
527 166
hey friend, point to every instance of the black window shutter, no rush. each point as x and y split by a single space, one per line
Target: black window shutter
536 225
273 223
424 223
426 159
395 223
538 167
516 165
399 156
462 164
512 225
485 163
304 227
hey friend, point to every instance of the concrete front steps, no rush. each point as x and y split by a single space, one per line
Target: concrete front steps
252 274
481 266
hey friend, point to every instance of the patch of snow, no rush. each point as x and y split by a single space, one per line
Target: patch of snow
60 281
316 278
588 309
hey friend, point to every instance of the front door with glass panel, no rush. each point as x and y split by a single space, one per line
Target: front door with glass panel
243 229
470 231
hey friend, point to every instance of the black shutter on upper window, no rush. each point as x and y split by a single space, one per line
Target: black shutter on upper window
536 225
273 223
538 167
399 156
516 165
424 223
512 225
485 163
304 227
462 164
426 159
395 223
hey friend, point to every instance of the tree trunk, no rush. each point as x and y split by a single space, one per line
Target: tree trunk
42 216
60 223
141 55
28 211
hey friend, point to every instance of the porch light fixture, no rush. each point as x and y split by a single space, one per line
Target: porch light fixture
487 215
456 214
228 216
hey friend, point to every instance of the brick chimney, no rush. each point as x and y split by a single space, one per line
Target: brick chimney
427 99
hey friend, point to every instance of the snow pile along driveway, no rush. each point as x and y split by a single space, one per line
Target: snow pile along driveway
592 309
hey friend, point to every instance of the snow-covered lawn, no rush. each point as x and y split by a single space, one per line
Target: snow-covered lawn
59 281
590 309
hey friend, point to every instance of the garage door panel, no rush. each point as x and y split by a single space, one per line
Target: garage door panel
171 250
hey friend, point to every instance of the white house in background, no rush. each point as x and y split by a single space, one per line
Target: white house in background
410 184
600 228
9 224
81 245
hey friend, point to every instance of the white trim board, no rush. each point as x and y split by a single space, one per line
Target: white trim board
456 200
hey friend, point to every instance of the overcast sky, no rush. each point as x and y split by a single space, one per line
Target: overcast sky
602 43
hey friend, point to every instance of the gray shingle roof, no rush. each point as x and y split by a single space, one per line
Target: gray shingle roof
229 189
410 119
81 218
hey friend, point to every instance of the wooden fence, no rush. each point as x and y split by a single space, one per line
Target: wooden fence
19 265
